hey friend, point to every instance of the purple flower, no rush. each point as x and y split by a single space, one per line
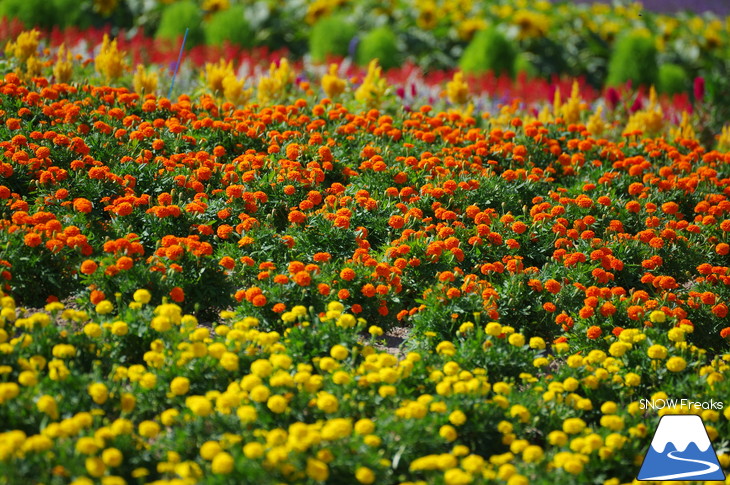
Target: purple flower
352 48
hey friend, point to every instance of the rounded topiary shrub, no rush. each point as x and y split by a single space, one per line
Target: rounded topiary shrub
523 64
633 58
331 35
180 16
229 25
381 44
489 50
32 13
673 79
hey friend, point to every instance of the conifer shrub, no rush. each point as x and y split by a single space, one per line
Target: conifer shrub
229 25
331 35
634 58
489 50
382 44
180 16
673 79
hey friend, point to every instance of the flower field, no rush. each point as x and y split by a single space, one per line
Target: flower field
196 288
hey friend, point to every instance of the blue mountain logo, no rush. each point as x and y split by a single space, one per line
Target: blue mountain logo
681 450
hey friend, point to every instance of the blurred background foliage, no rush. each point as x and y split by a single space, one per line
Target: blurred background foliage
605 44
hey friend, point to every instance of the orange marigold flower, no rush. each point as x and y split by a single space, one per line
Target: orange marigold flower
125 263
89 267
720 310
594 332
96 296
227 262
552 286
177 294
302 278
82 205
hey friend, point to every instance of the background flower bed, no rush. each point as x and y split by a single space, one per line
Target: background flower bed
533 254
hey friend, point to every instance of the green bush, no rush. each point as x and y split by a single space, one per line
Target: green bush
489 50
523 64
178 17
380 43
68 14
331 35
673 79
32 13
633 58
229 25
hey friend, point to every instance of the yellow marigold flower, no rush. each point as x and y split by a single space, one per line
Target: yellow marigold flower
445 348
516 339
180 386
618 349
573 425
222 463
104 307
364 475
253 450
209 450
657 352
657 316
676 364
317 470
493 328
142 296
46 404
120 328
87 445
277 404
448 433
28 378
457 418
128 402
229 361
92 330
364 426
98 392
149 429
95 466
537 343
259 393
339 352
327 402
199 405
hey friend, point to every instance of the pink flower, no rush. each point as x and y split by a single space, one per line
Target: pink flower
699 88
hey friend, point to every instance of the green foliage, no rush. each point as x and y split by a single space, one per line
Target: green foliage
633 58
68 14
382 44
523 64
229 26
489 50
33 13
178 17
331 35
673 79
